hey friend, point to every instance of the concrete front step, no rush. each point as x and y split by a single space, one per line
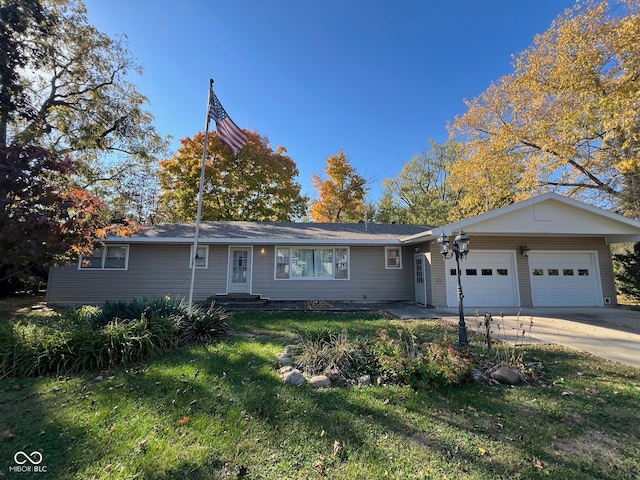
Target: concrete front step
239 302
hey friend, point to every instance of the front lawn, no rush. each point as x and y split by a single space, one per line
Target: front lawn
221 411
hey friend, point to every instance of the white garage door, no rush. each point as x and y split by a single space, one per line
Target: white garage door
565 279
488 280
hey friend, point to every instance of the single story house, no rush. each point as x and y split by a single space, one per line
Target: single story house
549 250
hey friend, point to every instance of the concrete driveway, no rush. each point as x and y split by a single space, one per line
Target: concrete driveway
611 333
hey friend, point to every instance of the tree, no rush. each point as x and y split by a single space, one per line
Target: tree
256 184
566 120
627 270
44 217
64 86
66 102
420 194
342 194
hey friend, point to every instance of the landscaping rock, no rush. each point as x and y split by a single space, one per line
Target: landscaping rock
284 361
286 369
290 350
507 375
294 377
320 381
364 380
478 376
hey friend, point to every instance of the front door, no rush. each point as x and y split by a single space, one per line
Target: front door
239 275
420 285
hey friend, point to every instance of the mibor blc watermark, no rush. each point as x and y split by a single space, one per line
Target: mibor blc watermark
27 463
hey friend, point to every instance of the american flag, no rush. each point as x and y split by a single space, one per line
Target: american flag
228 131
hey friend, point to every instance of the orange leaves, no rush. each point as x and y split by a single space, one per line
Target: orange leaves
256 184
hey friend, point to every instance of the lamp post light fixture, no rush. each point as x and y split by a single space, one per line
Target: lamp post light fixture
460 250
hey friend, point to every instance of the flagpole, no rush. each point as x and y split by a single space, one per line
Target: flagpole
199 212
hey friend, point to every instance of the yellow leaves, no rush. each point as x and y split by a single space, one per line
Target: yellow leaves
629 165
566 117
341 194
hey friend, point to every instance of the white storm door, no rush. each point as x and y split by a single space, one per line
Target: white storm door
419 280
239 275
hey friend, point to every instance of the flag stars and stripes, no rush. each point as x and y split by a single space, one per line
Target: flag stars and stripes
228 131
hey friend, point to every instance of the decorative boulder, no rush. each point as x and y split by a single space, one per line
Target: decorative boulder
294 377
290 350
284 361
320 381
507 375
478 376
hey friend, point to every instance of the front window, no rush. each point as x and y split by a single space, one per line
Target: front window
312 262
202 258
108 257
393 257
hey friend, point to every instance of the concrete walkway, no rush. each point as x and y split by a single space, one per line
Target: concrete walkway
611 333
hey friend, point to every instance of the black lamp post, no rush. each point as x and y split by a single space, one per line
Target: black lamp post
460 250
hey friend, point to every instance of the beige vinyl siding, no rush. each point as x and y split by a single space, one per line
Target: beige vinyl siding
153 271
569 244
369 280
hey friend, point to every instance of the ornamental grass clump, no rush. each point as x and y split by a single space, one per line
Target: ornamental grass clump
92 338
401 358
334 355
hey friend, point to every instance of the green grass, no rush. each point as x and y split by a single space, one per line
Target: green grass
221 412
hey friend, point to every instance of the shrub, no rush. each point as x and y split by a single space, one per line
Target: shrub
203 326
403 358
627 271
91 338
334 354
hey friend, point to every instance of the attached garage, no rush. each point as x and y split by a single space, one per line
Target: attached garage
567 279
488 279
545 251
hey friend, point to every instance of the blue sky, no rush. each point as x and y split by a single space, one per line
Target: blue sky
377 78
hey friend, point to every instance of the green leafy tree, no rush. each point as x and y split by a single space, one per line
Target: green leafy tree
66 87
421 194
566 120
66 106
342 194
256 184
627 270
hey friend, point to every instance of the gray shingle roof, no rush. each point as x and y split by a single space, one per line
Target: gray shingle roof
262 231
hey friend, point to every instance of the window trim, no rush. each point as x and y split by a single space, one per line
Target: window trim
386 258
206 256
104 257
311 247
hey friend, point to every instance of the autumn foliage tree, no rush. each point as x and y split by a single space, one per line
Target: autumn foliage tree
256 184
65 102
44 217
342 193
567 119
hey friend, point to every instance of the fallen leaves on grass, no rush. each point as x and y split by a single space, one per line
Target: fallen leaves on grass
184 420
